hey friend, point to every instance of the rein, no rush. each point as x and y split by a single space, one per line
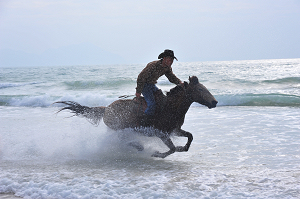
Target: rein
125 96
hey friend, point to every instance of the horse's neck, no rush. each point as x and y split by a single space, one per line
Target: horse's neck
183 107
173 114
180 105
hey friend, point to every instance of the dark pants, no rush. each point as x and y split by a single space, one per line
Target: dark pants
148 93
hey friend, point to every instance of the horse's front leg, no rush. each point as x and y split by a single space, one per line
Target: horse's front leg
166 139
183 133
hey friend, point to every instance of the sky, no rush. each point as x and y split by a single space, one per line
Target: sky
68 32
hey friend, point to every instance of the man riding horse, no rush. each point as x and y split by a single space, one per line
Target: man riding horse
126 113
148 78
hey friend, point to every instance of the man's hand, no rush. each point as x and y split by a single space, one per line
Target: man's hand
138 95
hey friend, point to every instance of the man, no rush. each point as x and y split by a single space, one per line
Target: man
148 78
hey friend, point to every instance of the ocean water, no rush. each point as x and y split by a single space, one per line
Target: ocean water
246 147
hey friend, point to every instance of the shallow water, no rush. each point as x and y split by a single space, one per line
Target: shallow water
237 152
246 147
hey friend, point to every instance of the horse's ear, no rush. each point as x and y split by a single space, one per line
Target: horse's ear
194 80
185 84
190 78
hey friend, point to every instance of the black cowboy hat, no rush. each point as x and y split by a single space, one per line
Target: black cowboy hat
167 53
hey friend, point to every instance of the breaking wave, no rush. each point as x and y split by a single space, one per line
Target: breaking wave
250 99
287 80
89 99
8 85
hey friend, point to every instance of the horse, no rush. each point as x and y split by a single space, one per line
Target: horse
169 115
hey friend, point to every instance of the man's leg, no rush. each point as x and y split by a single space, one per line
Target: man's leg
148 93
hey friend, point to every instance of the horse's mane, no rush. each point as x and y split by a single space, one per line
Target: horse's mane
193 80
176 89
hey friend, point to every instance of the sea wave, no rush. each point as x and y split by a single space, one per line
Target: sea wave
286 80
47 100
78 85
248 99
8 85
86 84
272 99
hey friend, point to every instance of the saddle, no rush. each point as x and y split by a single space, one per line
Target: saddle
160 100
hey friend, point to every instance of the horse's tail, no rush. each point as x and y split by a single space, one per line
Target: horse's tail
92 114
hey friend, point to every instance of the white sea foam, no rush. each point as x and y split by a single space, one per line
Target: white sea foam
47 100
235 153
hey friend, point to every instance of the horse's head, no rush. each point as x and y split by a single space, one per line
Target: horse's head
199 93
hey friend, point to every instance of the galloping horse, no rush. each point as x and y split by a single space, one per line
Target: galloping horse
169 116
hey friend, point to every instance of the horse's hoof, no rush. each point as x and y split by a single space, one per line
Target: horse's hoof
157 154
181 149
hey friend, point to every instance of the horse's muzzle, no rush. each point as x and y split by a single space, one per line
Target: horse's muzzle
213 104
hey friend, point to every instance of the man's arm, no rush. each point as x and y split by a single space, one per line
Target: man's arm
172 77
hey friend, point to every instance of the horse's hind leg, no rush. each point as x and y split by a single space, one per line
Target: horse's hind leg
136 145
128 140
